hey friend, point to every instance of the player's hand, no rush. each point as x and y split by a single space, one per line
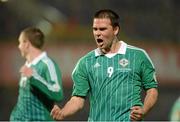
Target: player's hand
26 71
56 113
137 113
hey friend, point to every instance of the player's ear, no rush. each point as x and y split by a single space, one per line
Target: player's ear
116 30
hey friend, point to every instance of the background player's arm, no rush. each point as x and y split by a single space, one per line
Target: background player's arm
72 106
53 91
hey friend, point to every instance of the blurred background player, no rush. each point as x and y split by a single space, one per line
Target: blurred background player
175 112
113 76
40 85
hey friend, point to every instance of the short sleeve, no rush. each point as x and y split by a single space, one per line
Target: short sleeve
80 79
148 73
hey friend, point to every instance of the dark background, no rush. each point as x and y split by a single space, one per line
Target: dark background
153 23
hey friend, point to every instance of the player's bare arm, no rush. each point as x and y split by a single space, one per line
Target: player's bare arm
150 99
72 106
137 112
56 113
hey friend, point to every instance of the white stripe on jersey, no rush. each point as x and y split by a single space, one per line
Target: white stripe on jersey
136 48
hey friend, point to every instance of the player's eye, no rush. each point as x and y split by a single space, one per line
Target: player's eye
102 29
95 29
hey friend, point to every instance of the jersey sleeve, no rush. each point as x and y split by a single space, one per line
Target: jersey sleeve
80 79
148 73
48 80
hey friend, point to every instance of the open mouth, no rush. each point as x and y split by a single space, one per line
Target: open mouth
99 41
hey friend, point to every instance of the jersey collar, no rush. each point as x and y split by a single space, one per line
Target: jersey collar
122 49
37 59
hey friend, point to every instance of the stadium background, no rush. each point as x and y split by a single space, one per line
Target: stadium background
152 25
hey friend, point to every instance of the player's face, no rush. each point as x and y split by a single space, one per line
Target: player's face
23 45
104 33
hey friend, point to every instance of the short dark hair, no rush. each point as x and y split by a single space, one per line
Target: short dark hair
35 36
107 13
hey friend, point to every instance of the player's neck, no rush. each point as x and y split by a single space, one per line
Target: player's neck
33 54
114 47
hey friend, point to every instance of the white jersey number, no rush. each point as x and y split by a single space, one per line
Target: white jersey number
110 71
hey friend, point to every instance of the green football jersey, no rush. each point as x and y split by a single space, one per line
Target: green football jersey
38 93
113 81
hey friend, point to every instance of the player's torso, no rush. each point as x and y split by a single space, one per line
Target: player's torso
105 73
112 83
29 106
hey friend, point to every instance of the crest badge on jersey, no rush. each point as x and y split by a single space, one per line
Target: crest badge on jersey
123 62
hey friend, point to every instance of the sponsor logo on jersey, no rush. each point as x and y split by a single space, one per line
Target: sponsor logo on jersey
96 65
